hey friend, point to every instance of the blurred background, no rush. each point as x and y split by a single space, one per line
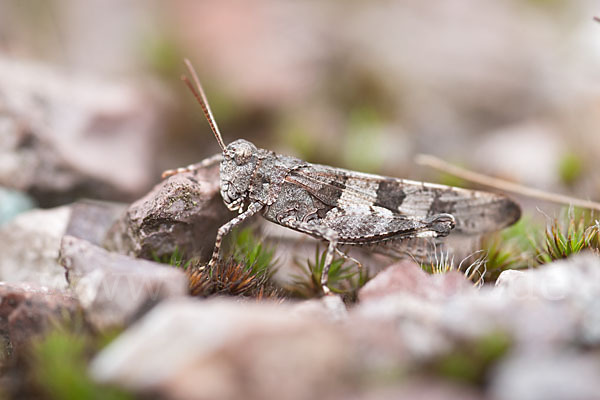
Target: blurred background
91 102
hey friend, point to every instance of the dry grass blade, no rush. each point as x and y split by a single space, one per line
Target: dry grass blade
507 186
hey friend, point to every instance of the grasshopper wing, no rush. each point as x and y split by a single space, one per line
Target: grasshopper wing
475 212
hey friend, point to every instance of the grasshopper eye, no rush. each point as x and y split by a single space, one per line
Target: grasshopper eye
242 153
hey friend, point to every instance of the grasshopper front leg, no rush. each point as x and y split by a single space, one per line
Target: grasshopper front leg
253 208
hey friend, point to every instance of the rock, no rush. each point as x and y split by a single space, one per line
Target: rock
330 307
431 322
91 220
576 278
113 288
27 311
182 212
410 304
13 202
408 323
223 349
57 130
412 324
547 377
407 277
29 246
568 289
507 278
422 389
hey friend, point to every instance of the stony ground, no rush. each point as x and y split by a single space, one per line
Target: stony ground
535 334
93 300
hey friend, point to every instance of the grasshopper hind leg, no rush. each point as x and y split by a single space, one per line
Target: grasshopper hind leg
349 258
325 233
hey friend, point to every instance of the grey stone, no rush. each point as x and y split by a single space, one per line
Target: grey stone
182 212
576 278
547 377
422 389
330 307
113 288
553 306
568 288
28 311
414 322
29 245
223 349
407 277
408 320
91 219
58 130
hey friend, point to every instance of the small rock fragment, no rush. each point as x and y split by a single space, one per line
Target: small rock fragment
407 277
57 129
547 376
113 288
223 349
29 245
422 389
91 219
181 213
27 311
574 278
330 307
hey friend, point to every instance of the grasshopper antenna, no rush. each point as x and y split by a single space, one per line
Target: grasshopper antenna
198 93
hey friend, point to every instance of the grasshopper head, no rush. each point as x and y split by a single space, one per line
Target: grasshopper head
239 157
237 169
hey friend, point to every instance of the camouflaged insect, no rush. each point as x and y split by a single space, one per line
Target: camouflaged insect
340 206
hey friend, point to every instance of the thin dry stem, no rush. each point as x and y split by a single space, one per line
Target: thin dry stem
507 186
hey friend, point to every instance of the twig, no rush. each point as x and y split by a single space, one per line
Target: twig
507 186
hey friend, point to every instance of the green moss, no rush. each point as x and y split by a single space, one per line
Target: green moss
343 279
256 255
451 180
163 55
570 168
362 147
570 234
175 259
59 364
511 248
470 362
296 135
246 272
459 366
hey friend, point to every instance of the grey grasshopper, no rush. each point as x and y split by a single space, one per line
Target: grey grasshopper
341 207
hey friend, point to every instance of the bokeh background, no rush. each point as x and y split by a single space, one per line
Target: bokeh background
510 88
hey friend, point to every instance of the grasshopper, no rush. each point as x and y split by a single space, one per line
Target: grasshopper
339 206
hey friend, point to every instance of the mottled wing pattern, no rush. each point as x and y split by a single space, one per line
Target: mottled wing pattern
476 212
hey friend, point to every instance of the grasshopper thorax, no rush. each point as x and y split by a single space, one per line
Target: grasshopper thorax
237 169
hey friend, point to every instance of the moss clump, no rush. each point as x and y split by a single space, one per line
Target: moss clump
345 280
567 236
570 168
247 272
59 367
470 362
